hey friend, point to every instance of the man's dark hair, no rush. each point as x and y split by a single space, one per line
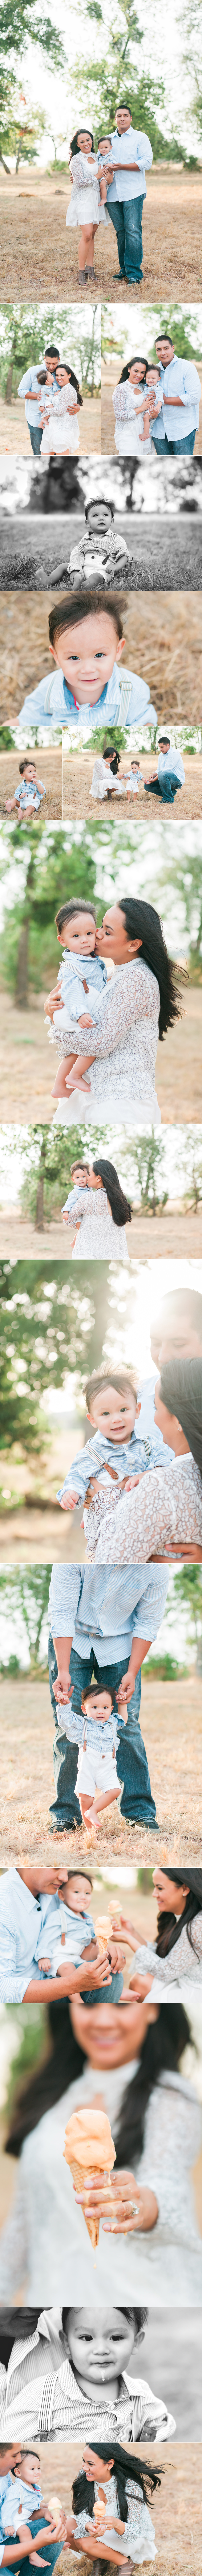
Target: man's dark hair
100 499
164 737
163 335
26 764
68 911
70 612
51 351
124 102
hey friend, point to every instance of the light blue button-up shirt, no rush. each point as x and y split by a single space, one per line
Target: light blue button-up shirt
129 1457
123 702
179 378
17 2494
27 387
106 1606
132 146
170 764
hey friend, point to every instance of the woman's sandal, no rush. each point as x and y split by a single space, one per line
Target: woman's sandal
89 272
82 275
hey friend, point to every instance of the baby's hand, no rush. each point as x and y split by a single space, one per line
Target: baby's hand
129 1484
68 1502
84 1021
44 1966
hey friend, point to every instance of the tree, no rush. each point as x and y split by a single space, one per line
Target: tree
103 79
191 1159
47 1160
47 1324
20 26
186 879
149 1154
24 1594
188 1592
28 944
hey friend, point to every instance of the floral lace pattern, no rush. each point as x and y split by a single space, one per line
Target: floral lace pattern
145 1524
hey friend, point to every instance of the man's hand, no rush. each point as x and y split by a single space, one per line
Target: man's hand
63 1687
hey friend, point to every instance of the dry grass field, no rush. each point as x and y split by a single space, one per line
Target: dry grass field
176 2507
163 642
48 767
77 779
39 258
146 1240
171 1728
109 378
24 1042
14 430
166 550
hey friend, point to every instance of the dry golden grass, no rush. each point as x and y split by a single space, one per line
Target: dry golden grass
14 431
39 257
145 1239
176 2508
109 378
171 1728
25 1045
163 642
48 767
77 780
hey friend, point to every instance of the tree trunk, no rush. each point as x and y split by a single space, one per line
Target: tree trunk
39 1225
9 382
21 994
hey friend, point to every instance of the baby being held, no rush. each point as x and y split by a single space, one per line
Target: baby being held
77 996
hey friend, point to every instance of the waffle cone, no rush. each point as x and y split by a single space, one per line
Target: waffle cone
92 2224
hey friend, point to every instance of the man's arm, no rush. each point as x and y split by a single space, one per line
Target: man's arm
140 1648
63 1685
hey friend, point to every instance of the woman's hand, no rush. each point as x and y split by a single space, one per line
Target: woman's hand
124 2207
124 1925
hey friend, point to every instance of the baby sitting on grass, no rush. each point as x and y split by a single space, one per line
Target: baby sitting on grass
80 983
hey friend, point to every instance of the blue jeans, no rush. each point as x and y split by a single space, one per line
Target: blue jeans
36 437
136 1802
175 446
50 2552
126 215
170 787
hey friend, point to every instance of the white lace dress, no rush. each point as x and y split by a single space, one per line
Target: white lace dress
129 421
103 778
62 431
98 1239
165 1512
45 2242
121 1078
138 2539
86 206
184 1960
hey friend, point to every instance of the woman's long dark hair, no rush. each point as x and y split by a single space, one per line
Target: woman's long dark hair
141 922
125 2466
181 1390
120 1206
64 362
138 361
168 1930
75 146
114 757
163 2047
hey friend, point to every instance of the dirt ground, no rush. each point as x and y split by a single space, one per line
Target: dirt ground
163 642
146 1240
39 256
14 432
171 1728
48 767
109 378
77 778
25 1045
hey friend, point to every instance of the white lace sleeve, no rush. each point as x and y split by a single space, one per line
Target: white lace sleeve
81 169
165 1509
182 1961
119 402
65 399
128 996
172 2144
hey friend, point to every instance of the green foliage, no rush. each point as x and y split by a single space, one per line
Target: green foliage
23 339
164 1668
48 1323
104 79
24 1595
45 856
31 2021
47 1159
150 1166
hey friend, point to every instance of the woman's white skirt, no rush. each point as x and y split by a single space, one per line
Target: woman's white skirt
86 207
77 1109
126 438
60 434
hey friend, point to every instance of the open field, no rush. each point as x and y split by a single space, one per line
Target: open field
163 643
77 779
25 1044
176 2508
48 767
39 258
109 378
145 1237
166 550
14 430
171 1727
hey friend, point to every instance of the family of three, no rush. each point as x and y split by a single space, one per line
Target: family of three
110 185
157 405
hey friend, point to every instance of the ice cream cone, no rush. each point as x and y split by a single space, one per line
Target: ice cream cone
91 2134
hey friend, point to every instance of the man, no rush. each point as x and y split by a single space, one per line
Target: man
29 388
176 1333
170 774
132 154
25 1909
103 1619
181 389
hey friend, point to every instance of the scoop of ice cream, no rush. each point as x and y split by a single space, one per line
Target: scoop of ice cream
88 2140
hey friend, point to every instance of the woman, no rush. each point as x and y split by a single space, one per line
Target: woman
101 1217
166 1518
129 2056
105 781
177 1951
88 207
140 1004
110 2509
131 410
71 2372
60 425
